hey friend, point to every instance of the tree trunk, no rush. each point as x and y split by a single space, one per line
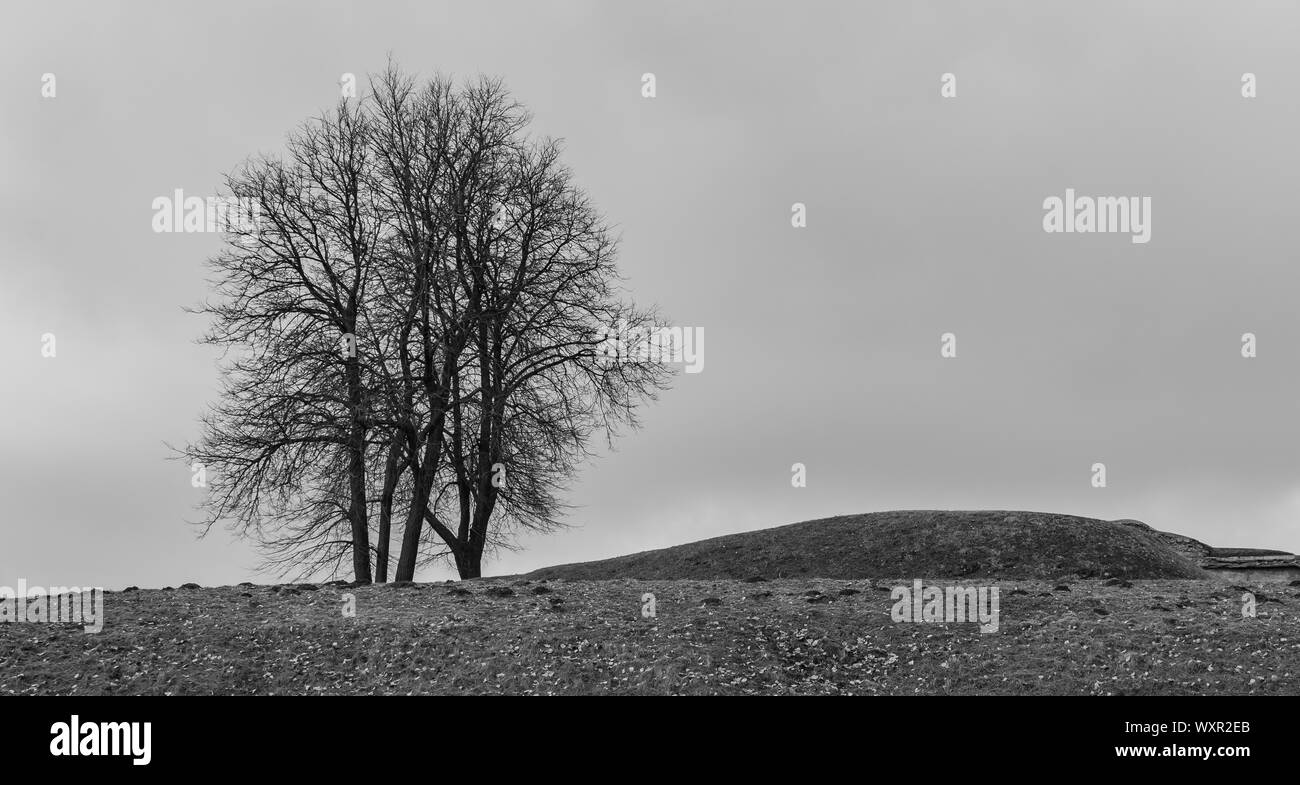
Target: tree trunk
411 533
468 565
357 477
423 479
393 470
469 559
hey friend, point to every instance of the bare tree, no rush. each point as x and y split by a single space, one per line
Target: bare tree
533 389
472 281
290 292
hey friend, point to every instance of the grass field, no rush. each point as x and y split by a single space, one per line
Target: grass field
1085 607
789 636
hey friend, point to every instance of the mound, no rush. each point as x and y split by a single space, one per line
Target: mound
912 544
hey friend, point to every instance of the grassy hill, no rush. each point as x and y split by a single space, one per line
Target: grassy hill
781 637
820 623
915 543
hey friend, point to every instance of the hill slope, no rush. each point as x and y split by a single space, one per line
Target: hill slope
914 543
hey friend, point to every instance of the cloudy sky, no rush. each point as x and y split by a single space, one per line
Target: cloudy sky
821 343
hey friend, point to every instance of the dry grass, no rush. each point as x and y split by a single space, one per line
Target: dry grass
1165 636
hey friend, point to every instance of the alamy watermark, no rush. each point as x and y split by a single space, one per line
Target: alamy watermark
128 739
653 344
55 605
1124 214
952 604
231 214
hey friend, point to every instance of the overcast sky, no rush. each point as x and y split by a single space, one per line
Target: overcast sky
925 216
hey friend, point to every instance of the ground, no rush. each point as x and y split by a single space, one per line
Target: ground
791 636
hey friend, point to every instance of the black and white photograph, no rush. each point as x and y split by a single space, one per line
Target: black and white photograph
599 348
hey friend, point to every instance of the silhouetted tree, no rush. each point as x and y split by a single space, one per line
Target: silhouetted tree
473 281
290 288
